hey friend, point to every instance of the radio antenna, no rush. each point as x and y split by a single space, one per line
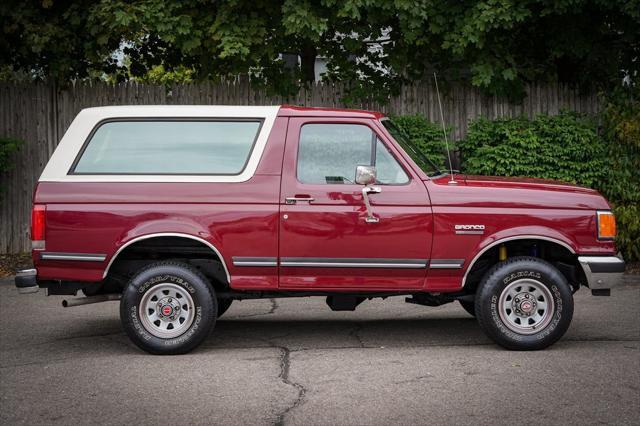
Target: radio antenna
444 131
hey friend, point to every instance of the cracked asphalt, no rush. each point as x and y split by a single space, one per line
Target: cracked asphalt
293 361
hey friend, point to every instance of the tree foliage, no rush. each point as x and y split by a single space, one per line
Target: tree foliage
497 45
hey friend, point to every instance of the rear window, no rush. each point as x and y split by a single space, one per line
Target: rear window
165 147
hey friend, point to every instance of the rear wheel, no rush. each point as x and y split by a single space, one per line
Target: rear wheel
168 308
524 303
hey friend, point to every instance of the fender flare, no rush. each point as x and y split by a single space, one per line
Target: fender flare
512 238
168 234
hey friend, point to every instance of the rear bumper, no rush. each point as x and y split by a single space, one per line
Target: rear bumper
26 281
602 272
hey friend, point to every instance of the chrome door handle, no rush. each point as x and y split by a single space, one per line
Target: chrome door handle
293 200
365 194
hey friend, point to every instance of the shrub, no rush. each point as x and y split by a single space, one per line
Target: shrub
565 147
7 147
427 136
628 223
621 117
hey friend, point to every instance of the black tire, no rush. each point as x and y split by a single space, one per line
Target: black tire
223 306
470 307
542 292
193 297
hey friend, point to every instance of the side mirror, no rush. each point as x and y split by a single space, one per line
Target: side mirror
365 175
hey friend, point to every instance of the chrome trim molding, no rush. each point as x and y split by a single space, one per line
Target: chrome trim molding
75 257
168 234
504 240
446 263
328 262
254 261
466 232
602 272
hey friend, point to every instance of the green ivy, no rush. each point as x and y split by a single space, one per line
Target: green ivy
565 147
621 117
628 223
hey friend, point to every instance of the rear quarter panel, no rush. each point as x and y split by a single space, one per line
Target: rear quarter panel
239 219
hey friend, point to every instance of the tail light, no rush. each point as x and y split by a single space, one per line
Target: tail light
606 226
38 226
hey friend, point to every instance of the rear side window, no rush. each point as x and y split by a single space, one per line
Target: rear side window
169 147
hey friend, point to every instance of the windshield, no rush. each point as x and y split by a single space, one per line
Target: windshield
410 148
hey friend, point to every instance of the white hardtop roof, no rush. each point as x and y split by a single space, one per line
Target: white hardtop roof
123 111
59 165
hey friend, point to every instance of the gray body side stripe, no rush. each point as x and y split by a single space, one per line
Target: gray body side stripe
446 263
328 262
468 232
254 261
76 257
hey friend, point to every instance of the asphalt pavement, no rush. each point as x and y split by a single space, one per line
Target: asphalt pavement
294 361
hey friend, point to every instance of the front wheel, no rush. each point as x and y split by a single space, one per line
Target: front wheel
524 303
168 308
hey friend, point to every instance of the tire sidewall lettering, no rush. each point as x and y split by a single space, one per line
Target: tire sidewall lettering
521 274
495 315
166 278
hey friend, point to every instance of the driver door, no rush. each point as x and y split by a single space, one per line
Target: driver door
328 239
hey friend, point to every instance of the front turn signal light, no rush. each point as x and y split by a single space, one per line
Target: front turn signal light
606 226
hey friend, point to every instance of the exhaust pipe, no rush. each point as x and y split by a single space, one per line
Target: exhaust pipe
89 300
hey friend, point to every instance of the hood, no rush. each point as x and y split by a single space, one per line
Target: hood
523 182
497 191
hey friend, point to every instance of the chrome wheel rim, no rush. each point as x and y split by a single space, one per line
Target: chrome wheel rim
166 310
526 306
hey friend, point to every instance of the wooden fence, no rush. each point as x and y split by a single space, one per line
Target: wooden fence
39 114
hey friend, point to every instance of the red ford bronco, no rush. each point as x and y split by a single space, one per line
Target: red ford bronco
177 211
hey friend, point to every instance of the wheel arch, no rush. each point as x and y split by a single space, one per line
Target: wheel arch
523 237
139 238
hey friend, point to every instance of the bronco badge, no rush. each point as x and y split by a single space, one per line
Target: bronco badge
469 229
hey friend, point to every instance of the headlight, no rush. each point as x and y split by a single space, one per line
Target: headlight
606 225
